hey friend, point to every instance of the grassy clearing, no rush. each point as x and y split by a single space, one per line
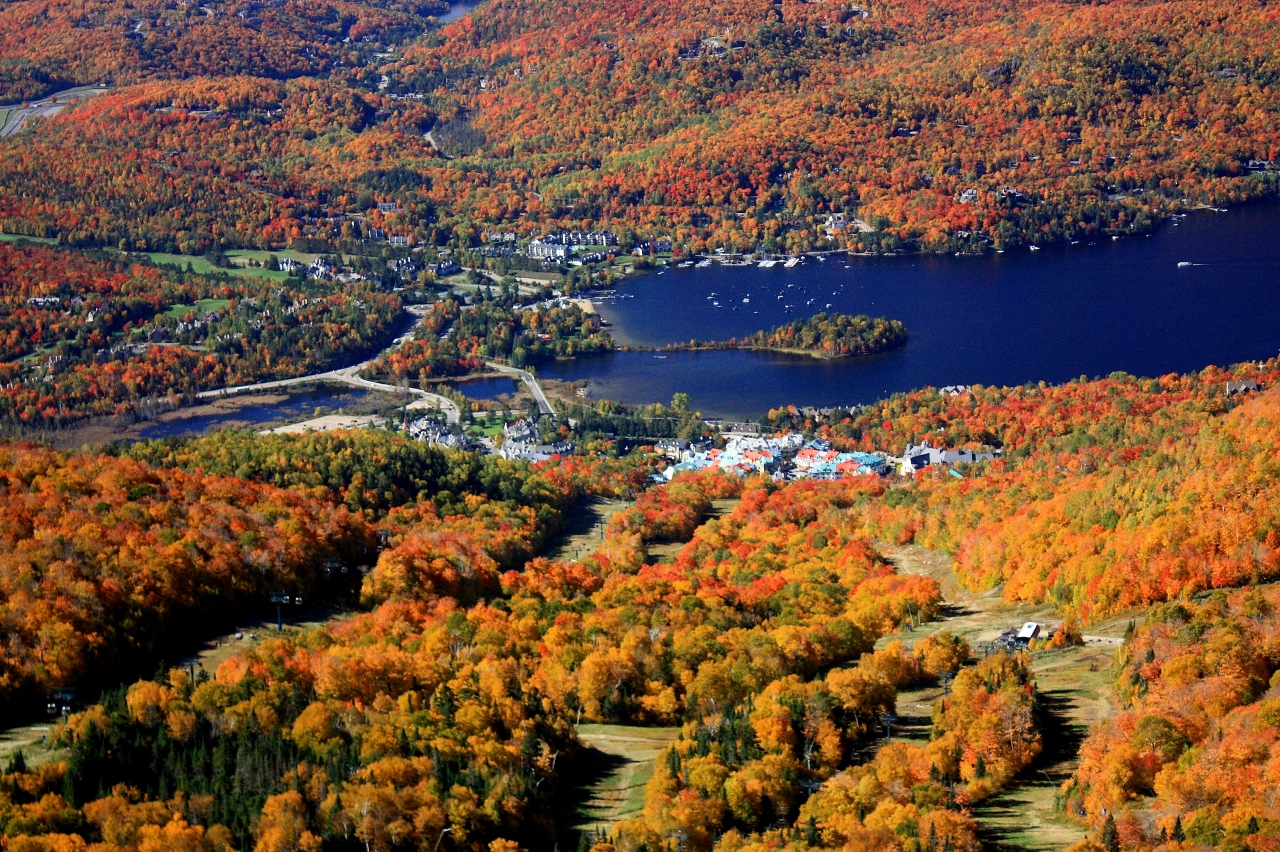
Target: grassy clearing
246 256
13 238
584 528
613 771
30 740
202 307
204 267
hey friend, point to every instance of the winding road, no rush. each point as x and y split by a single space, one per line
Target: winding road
16 116
351 376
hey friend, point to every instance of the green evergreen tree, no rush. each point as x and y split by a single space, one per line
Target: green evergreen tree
1178 835
1110 837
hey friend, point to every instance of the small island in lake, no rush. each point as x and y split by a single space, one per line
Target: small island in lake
822 335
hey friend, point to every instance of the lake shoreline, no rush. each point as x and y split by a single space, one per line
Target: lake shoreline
778 350
1054 315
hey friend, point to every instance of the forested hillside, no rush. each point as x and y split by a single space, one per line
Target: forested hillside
754 614
936 126
45 46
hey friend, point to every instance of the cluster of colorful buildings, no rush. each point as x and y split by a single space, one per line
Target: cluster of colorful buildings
783 457
789 457
742 455
819 461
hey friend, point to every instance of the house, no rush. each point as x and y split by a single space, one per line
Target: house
521 432
672 449
918 456
157 335
534 452
398 242
1242 387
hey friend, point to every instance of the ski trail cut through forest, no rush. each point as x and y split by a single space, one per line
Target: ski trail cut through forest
1074 692
615 767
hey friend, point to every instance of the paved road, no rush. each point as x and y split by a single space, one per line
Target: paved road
20 115
346 376
350 376
529 381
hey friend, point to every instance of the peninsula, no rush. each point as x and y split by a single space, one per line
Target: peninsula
822 335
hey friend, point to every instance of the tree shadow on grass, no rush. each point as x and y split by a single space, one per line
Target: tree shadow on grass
574 811
999 826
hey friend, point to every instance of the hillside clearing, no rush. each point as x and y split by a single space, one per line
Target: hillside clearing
1074 690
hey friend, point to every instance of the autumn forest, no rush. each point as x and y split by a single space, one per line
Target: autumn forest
978 617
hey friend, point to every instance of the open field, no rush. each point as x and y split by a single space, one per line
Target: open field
13 238
613 771
584 527
30 740
203 306
204 267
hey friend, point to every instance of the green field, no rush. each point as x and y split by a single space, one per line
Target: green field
202 307
204 267
13 238
616 767
489 426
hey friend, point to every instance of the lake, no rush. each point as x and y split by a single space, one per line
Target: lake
1001 319
456 11
489 387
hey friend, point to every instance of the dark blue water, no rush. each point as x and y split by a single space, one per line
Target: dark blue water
1003 319
487 388
298 406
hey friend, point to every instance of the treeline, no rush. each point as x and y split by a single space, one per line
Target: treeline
825 335
109 563
1189 758
367 470
1149 491
613 419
